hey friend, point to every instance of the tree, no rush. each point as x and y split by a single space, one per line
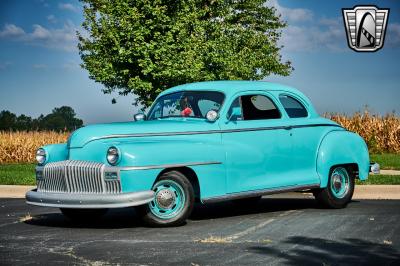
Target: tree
62 118
144 47
23 122
7 120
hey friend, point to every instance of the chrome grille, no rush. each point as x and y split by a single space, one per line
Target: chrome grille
76 177
113 186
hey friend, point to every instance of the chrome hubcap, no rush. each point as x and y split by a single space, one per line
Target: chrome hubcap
340 182
337 182
165 198
169 199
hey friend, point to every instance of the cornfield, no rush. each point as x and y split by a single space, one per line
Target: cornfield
381 133
18 147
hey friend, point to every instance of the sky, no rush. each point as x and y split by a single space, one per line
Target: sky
39 61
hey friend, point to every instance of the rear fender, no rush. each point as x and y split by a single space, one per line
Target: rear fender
342 147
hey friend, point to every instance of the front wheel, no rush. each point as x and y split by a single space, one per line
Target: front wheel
173 201
339 191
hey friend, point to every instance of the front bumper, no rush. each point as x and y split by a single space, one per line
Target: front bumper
88 201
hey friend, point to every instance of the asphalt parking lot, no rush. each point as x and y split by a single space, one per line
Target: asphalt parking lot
279 230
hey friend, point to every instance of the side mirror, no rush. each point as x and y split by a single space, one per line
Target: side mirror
139 117
236 112
212 115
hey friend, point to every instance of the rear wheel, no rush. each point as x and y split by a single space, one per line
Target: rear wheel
339 191
173 201
82 215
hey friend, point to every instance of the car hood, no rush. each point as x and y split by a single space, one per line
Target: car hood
138 129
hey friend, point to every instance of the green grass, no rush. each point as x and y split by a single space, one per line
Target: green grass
380 180
17 174
24 174
387 160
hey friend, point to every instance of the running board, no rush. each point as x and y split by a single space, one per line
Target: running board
256 193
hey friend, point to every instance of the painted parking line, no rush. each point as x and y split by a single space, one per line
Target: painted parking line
231 238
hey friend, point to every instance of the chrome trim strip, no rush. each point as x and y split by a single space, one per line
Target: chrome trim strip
255 193
162 166
220 131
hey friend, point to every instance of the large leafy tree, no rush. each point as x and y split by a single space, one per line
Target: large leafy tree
7 120
61 118
146 46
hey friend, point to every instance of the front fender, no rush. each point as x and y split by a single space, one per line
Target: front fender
56 152
154 154
177 150
342 147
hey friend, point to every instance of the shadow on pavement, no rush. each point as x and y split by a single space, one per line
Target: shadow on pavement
265 205
114 219
127 218
310 251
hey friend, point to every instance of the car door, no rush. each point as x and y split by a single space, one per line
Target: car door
306 137
257 143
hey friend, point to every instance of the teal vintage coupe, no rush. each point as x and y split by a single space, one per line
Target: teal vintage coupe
202 142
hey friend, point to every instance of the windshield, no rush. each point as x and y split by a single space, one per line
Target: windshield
193 104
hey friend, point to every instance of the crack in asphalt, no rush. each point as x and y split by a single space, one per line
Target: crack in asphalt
258 226
232 238
69 252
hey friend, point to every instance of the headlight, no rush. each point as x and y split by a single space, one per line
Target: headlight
41 156
112 155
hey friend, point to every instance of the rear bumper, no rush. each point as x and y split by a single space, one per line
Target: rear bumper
374 168
88 201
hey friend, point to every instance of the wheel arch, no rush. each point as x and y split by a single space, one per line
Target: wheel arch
342 148
189 173
352 168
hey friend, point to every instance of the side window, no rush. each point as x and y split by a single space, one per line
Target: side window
293 107
157 110
256 107
206 105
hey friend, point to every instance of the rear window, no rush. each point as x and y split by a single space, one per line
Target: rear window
293 107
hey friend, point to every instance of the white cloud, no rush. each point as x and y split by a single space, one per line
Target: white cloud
331 22
71 65
292 14
63 38
40 32
306 32
10 30
326 34
44 3
51 18
393 34
68 7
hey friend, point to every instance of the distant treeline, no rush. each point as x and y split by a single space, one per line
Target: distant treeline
60 119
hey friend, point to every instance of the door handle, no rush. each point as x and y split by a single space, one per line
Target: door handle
288 127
